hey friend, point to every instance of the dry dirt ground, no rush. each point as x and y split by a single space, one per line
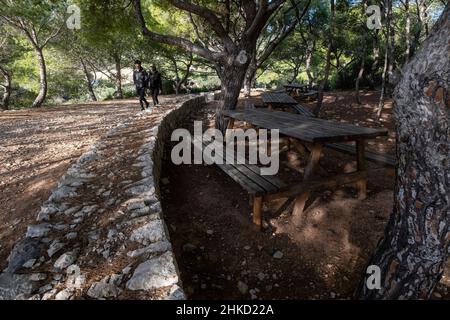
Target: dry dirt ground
320 255
36 148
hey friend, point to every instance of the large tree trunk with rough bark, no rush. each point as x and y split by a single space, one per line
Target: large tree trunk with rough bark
8 88
415 247
232 80
88 79
42 79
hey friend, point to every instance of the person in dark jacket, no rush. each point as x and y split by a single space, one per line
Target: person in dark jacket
155 83
140 78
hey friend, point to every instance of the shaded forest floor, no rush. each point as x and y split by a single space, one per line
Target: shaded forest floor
320 256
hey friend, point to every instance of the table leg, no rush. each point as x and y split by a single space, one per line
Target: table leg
314 158
257 212
361 164
269 106
230 123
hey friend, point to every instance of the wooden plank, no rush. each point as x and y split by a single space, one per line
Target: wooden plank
249 185
383 159
302 110
252 172
246 175
305 128
317 183
277 98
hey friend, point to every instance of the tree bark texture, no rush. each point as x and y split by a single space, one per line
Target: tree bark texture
8 88
415 246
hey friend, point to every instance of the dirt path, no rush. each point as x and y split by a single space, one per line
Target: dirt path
36 148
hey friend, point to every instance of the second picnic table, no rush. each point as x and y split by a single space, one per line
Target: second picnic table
277 100
314 134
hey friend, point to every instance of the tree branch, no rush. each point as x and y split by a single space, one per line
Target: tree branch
170 40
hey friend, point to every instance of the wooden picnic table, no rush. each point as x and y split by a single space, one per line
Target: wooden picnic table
296 87
277 100
313 134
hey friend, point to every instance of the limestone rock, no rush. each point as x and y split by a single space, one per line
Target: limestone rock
38 230
150 232
12 285
154 273
24 250
65 260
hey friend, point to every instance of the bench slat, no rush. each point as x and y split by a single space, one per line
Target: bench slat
248 176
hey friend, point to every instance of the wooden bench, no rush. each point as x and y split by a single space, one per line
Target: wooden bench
249 177
382 159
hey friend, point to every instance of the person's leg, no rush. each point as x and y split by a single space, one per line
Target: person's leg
155 96
139 93
144 99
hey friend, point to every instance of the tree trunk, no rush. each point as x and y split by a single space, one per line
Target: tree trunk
250 78
416 242
8 87
407 31
118 77
363 59
387 55
309 55
360 74
376 56
88 81
391 52
232 80
316 110
42 79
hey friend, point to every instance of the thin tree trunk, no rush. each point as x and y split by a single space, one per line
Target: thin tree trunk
363 60
88 81
42 79
316 110
415 247
309 55
358 79
118 77
376 57
249 80
387 55
407 31
8 88
391 57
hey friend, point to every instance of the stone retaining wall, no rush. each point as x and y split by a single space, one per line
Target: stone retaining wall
119 225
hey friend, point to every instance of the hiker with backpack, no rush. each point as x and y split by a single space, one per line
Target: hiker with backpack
141 79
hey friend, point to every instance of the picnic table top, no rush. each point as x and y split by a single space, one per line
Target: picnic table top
277 98
304 128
